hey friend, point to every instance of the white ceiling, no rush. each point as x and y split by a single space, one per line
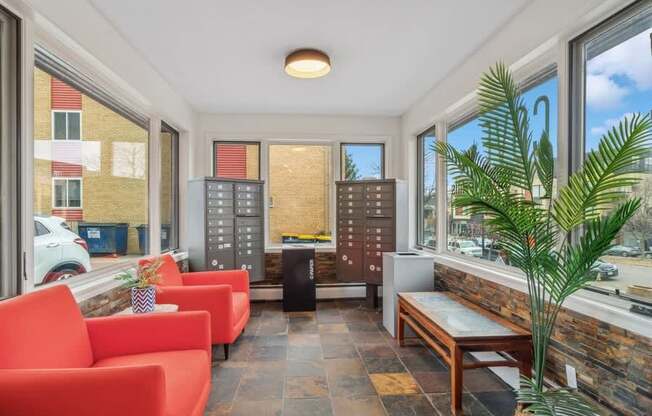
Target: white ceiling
227 56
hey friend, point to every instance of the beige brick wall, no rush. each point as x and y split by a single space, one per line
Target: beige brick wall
113 190
253 169
299 186
42 136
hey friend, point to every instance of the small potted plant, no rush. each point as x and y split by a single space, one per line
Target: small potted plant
143 292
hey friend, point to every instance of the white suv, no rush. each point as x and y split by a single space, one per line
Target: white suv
466 247
58 252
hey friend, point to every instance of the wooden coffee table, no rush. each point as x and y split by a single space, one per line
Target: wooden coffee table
453 326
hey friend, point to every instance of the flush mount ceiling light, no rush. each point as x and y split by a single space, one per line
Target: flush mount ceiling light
307 63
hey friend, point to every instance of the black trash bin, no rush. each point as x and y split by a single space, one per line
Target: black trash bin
143 237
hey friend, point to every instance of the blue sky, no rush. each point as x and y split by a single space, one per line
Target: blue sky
618 83
367 158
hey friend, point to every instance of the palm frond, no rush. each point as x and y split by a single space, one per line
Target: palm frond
552 402
506 137
607 170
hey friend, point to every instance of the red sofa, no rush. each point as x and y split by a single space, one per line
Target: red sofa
224 294
54 362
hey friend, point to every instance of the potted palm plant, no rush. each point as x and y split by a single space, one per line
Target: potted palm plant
142 284
554 240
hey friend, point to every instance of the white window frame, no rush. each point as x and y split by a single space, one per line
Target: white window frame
343 145
419 177
466 113
68 179
66 112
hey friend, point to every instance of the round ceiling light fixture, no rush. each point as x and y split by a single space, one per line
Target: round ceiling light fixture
307 63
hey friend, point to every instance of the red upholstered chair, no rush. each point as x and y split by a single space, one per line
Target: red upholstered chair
54 362
224 294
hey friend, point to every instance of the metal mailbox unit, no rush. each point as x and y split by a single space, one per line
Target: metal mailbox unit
225 223
371 220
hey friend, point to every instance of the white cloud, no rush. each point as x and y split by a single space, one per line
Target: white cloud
603 93
608 124
630 59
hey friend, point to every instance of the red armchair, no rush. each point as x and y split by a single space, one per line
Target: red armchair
54 362
224 294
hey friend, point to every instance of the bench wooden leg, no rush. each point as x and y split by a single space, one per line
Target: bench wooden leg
456 380
400 327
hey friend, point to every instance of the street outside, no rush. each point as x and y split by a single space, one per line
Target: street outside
631 271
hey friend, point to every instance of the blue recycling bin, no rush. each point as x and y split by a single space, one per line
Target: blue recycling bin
143 237
104 238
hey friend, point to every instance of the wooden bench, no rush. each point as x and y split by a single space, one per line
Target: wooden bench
453 326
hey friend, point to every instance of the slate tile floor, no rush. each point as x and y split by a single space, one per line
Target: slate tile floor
339 361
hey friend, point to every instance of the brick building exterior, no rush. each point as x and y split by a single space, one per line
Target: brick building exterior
109 158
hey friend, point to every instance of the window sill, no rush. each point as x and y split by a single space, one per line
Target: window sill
96 283
586 303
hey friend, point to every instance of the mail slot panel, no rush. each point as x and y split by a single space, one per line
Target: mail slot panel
379 212
379 196
379 187
223 261
249 237
217 230
379 246
219 186
379 204
226 195
350 204
215 221
254 203
218 247
250 244
215 239
220 202
353 229
350 188
350 196
250 211
350 212
349 265
351 237
346 222
248 251
249 229
247 187
379 238
220 213
248 221
247 195
349 244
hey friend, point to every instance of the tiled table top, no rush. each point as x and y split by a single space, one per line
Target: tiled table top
339 361
455 318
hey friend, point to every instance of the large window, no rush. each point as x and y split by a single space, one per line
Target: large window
10 269
90 176
427 190
237 160
613 73
299 191
362 161
169 188
466 233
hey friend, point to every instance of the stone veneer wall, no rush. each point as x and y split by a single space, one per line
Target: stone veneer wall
614 366
114 300
324 268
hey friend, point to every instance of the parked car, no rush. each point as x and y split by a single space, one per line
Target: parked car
604 270
624 251
466 247
58 252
